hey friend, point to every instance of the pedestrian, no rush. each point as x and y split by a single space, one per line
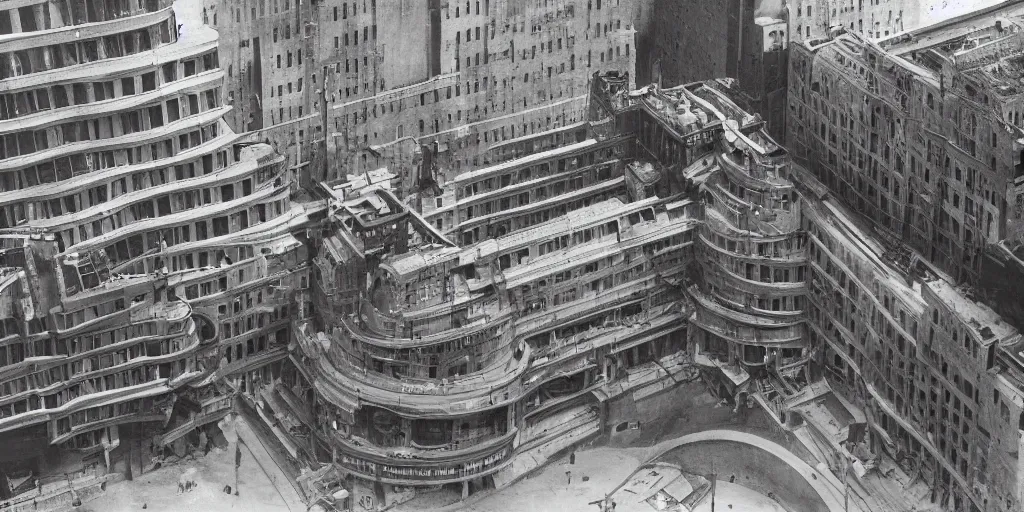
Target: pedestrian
568 477
572 457
203 442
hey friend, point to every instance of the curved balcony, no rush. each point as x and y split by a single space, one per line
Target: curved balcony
744 216
135 417
722 292
745 316
345 384
422 457
207 80
386 316
75 33
291 218
102 398
199 42
642 326
183 218
173 129
794 257
723 323
715 269
750 174
103 177
426 472
189 344
140 311
371 336
554 316
728 259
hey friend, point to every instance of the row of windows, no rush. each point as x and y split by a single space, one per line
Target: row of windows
70 12
208 258
255 346
15 214
344 40
623 267
44 58
218 285
168 204
511 221
94 415
137 244
248 323
354 10
515 198
95 195
111 126
532 144
788 247
578 284
28 102
555 166
127 214
94 364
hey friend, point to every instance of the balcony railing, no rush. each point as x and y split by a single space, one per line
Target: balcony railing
440 396
790 336
454 451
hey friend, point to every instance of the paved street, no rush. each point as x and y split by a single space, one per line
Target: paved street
158 490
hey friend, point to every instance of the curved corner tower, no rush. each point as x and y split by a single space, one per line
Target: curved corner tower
751 296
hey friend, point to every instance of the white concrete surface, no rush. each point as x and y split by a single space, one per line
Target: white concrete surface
158 490
823 482
736 498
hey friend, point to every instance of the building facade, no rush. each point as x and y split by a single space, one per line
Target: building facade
347 87
460 363
923 139
918 133
150 266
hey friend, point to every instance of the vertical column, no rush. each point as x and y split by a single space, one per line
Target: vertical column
56 19
15 21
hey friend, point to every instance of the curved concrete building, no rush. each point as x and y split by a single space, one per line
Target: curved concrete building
468 366
147 247
751 295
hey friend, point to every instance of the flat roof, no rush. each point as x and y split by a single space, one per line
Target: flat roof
987 325
952 28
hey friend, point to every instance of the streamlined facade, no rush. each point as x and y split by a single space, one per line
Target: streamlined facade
149 262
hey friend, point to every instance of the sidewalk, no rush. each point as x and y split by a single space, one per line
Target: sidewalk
158 489
254 447
549 488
